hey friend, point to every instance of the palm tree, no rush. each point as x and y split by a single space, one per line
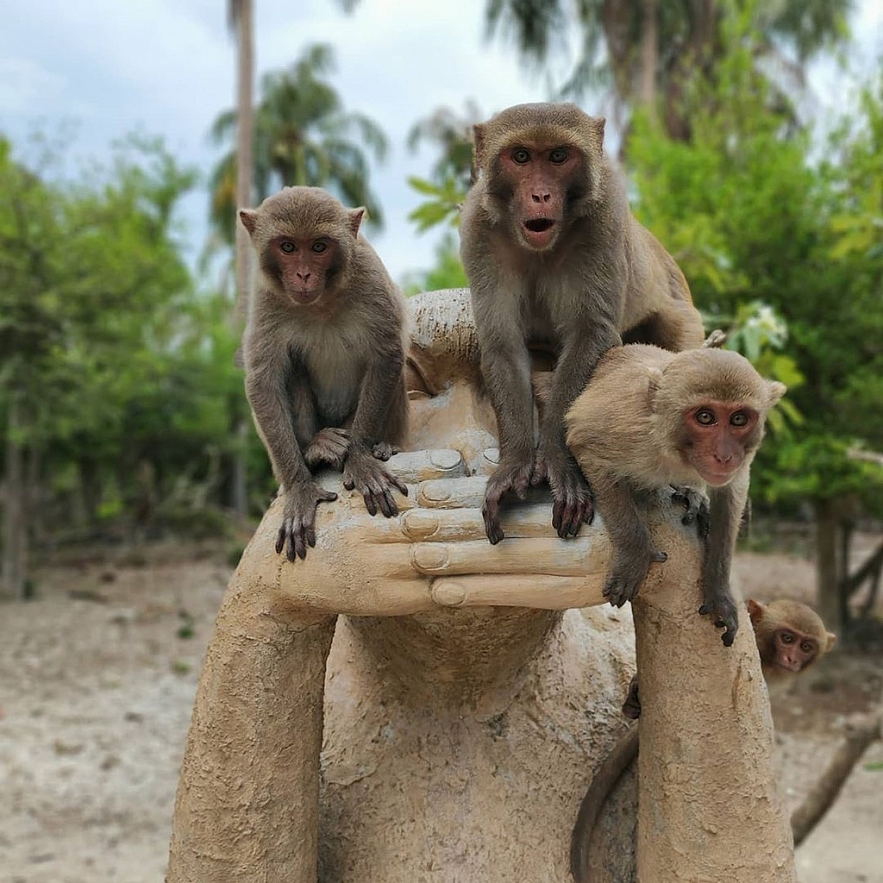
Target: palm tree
303 136
452 134
643 49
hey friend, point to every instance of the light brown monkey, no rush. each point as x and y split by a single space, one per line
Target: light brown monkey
694 420
790 637
324 354
555 259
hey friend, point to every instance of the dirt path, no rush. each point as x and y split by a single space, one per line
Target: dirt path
97 678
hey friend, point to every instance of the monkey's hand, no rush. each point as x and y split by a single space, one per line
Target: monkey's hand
628 573
696 504
509 476
572 504
363 473
721 606
328 447
298 528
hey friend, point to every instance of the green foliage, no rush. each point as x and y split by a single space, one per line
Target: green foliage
303 136
752 219
448 271
442 206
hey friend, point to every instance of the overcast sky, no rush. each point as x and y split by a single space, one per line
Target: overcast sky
167 67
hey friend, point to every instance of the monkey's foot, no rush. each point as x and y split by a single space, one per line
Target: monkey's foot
512 477
631 708
721 607
364 474
298 528
572 504
696 504
384 450
628 574
327 447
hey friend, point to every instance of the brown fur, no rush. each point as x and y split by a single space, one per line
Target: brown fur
809 637
324 357
630 432
765 618
597 275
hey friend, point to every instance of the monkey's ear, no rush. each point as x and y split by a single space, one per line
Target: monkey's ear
249 219
597 132
832 640
478 142
755 611
775 391
356 215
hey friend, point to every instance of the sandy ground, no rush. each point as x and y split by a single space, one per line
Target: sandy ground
98 674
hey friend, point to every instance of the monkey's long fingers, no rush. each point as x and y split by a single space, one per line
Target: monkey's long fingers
490 512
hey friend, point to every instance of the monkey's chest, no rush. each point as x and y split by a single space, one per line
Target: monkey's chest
335 373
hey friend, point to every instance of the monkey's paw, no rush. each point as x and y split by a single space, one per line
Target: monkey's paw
298 528
514 477
384 450
721 607
697 506
628 574
572 504
364 474
328 447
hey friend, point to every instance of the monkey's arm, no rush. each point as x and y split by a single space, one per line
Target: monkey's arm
727 505
572 500
361 470
267 386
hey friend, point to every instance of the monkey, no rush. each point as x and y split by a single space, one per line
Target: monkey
324 351
790 637
555 259
693 420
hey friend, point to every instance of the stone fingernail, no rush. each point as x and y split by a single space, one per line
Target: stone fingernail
430 556
419 524
448 594
445 459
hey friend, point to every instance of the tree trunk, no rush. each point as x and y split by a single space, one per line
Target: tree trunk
15 532
827 585
649 57
244 20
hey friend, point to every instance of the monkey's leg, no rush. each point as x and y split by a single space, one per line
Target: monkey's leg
247 800
697 508
633 549
727 504
328 447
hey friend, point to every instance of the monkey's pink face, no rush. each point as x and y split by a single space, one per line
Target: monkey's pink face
719 434
303 265
793 650
540 176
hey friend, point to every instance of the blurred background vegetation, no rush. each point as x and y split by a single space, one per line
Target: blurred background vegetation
123 417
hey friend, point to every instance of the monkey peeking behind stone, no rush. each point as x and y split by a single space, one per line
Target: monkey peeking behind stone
324 352
555 259
790 637
650 419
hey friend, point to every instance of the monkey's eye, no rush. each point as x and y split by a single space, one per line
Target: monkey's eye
808 647
740 418
521 155
558 155
287 247
786 638
319 246
705 417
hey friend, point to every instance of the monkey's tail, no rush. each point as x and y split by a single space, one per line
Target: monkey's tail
608 774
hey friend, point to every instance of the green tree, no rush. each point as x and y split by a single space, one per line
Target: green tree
91 280
303 136
646 52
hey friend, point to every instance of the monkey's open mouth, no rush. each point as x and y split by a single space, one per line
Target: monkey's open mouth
538 233
539 225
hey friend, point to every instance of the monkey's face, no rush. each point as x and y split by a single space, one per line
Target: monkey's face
793 650
719 435
538 177
301 265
